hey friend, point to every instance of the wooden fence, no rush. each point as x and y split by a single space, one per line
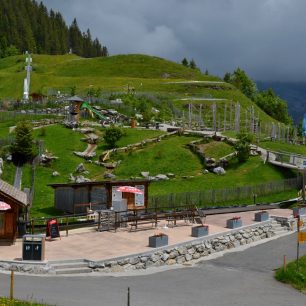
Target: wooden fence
207 198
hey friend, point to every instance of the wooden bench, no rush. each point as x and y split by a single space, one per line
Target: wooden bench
144 219
140 222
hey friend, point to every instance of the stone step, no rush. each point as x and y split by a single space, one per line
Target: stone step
53 262
70 265
73 271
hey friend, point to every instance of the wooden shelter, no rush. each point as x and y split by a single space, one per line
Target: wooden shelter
37 97
74 108
77 197
18 201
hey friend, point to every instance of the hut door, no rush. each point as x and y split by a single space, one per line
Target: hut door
9 224
1 224
130 197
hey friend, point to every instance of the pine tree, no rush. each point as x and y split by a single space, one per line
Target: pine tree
185 62
23 149
192 64
29 26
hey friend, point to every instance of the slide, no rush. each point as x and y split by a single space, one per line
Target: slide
86 105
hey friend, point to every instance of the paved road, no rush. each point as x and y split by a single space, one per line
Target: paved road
240 278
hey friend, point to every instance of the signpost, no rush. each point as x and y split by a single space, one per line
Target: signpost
301 237
52 229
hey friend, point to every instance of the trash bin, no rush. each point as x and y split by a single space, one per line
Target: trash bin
33 247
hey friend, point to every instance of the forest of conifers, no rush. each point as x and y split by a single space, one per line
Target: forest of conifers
26 25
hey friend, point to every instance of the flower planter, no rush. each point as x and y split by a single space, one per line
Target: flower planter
262 216
158 241
199 231
233 223
299 211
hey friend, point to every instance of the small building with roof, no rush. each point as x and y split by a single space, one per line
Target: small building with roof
17 201
78 197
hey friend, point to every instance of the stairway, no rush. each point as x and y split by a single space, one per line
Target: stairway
287 224
279 228
77 266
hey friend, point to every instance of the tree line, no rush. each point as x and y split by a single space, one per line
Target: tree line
26 25
267 100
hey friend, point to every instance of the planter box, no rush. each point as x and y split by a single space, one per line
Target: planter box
199 231
262 216
233 223
299 211
158 241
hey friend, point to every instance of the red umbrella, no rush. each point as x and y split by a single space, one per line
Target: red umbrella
129 189
4 206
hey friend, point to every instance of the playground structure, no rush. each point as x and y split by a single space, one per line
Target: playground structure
92 111
75 103
220 115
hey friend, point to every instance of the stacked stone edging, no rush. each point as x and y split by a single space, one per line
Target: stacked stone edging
188 251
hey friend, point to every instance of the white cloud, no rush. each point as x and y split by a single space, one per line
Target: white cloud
264 37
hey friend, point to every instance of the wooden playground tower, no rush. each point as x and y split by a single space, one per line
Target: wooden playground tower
75 103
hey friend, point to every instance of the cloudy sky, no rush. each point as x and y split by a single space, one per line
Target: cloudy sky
266 38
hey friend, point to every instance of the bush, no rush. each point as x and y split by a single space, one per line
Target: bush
112 135
242 146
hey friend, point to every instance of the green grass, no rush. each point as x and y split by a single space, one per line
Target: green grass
7 302
285 147
132 136
292 276
109 73
163 157
216 149
252 172
147 74
169 155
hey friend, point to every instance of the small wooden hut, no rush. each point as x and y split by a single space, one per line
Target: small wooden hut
18 202
77 197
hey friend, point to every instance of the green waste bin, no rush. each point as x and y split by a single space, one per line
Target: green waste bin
33 247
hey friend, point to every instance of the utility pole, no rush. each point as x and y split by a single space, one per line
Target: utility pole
27 80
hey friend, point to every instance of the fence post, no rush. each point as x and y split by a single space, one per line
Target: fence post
67 221
12 285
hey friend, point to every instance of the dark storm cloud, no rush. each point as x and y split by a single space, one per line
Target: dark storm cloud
264 37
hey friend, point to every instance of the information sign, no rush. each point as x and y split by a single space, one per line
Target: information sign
140 197
302 236
52 229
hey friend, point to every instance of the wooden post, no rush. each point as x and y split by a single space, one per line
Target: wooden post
298 244
12 286
67 221
285 263
128 297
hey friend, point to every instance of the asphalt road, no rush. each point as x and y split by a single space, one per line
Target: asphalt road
239 278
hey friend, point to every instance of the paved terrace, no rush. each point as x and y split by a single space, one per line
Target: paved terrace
93 245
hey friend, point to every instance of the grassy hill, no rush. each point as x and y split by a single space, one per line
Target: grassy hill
151 76
114 74
109 73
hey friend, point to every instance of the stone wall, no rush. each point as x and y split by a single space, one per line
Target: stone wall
187 252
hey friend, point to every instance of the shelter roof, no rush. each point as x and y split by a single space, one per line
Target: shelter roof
75 99
101 183
14 193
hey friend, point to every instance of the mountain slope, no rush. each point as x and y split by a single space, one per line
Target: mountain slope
116 74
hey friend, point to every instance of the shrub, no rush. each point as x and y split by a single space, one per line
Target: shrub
112 135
